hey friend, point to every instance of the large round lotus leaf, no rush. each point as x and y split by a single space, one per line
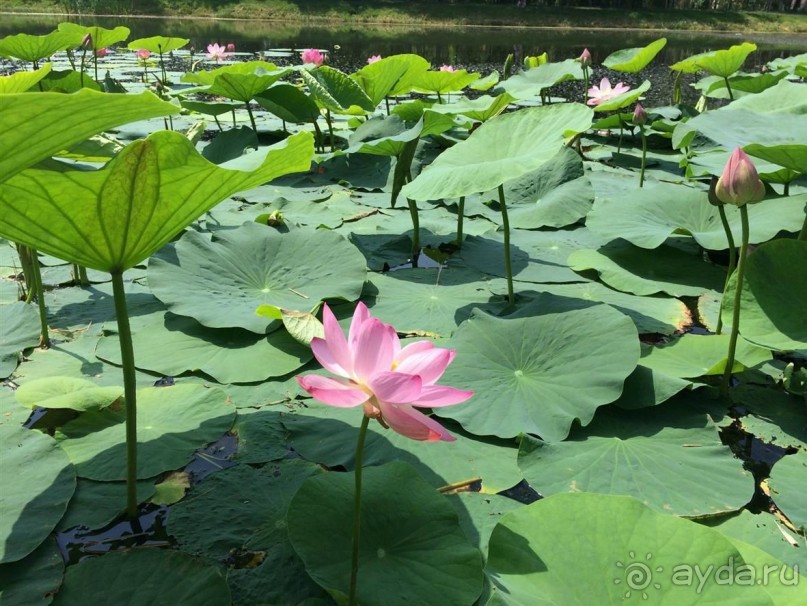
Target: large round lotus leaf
691 356
410 541
669 457
492 155
479 513
241 512
261 436
764 531
773 416
143 577
773 303
556 194
536 256
632 60
531 82
787 481
38 480
539 374
668 270
33 580
221 282
95 504
587 548
19 330
647 217
429 301
66 392
172 422
174 345
327 435
645 387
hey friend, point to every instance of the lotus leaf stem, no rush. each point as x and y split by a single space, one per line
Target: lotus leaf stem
735 320
728 88
44 339
129 391
413 212
676 92
585 85
732 262
252 119
460 221
354 558
508 268
330 128
644 156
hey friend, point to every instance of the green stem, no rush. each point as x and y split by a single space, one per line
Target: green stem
44 339
460 220
162 66
252 119
732 262
644 156
330 128
728 87
735 320
585 85
83 280
508 268
621 130
386 100
676 93
129 391
216 118
354 562
413 212
320 143
803 232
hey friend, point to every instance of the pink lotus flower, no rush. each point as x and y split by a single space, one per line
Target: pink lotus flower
739 184
604 92
216 52
230 47
102 52
143 54
373 59
312 55
585 58
386 379
447 68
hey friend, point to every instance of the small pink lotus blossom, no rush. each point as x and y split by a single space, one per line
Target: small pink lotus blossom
387 380
230 47
216 52
312 55
373 59
447 68
739 184
604 92
585 58
640 115
102 52
143 54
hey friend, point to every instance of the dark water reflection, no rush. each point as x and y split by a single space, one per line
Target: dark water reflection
468 46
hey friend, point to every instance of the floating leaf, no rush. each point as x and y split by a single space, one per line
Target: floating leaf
788 477
66 392
632 60
33 580
95 504
19 330
692 356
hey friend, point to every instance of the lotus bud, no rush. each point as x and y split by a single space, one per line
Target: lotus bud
585 58
739 184
639 115
230 47
101 53
86 40
143 54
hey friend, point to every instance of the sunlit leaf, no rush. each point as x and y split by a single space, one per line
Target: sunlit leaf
632 60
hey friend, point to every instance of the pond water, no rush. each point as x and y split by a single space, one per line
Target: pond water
349 47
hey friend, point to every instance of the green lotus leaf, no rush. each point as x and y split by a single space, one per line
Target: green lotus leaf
646 387
627 551
143 577
647 217
241 512
632 60
239 81
26 47
442 82
402 558
773 301
626 99
66 392
101 37
230 145
725 62
68 120
531 82
113 218
788 64
220 282
492 156
38 481
175 345
383 136
630 269
325 435
391 76
158 44
669 457
773 416
741 84
335 91
524 372
95 504
172 422
488 82
33 580
20 82
209 108
691 356
787 478
19 330
288 103
481 109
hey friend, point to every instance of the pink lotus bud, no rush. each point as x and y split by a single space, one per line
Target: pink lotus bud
374 59
639 115
230 47
447 68
585 58
739 184
101 52
312 55
143 54
86 40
